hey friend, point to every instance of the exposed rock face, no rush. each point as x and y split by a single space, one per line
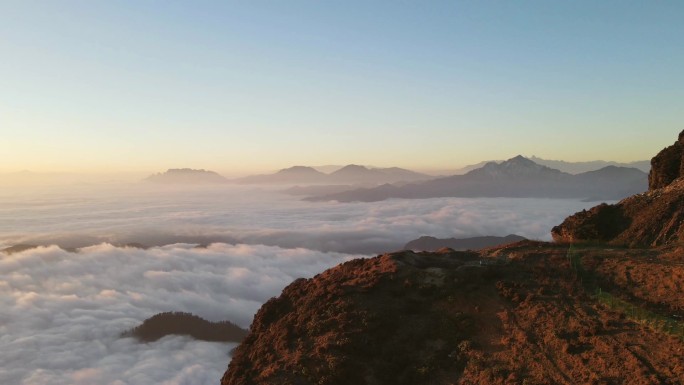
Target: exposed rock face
653 218
668 165
519 316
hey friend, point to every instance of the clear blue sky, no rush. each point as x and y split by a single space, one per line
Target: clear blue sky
260 85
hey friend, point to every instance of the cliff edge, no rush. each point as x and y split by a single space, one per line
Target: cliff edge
654 218
518 314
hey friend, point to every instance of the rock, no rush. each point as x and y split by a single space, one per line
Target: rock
668 165
650 219
443 318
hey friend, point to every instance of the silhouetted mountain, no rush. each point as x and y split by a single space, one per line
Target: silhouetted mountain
569 167
514 169
295 174
427 243
580 167
397 174
354 173
348 175
516 177
612 182
186 176
178 323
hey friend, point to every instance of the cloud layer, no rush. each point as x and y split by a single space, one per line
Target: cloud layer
152 215
61 313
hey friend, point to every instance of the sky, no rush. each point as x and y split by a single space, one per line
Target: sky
252 86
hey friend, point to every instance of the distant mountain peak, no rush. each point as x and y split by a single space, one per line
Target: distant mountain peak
518 166
186 176
354 170
353 167
299 170
519 159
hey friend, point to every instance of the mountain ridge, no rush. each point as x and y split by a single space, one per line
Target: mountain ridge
351 174
186 176
515 177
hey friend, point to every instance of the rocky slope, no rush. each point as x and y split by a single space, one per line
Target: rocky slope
668 165
523 313
653 218
519 314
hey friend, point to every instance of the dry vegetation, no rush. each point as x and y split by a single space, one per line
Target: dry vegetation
524 315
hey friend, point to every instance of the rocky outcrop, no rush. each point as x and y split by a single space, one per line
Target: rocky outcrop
668 165
513 315
653 218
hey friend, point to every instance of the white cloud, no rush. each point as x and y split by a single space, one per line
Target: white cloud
231 214
61 313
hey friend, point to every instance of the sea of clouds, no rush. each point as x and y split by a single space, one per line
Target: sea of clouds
158 215
62 313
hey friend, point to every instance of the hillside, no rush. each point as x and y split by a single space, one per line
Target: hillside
522 314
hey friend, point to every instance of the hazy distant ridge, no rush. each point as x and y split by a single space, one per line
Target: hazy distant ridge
350 174
186 176
568 167
516 177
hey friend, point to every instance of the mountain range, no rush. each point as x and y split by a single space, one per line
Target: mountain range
311 181
348 175
569 167
515 177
